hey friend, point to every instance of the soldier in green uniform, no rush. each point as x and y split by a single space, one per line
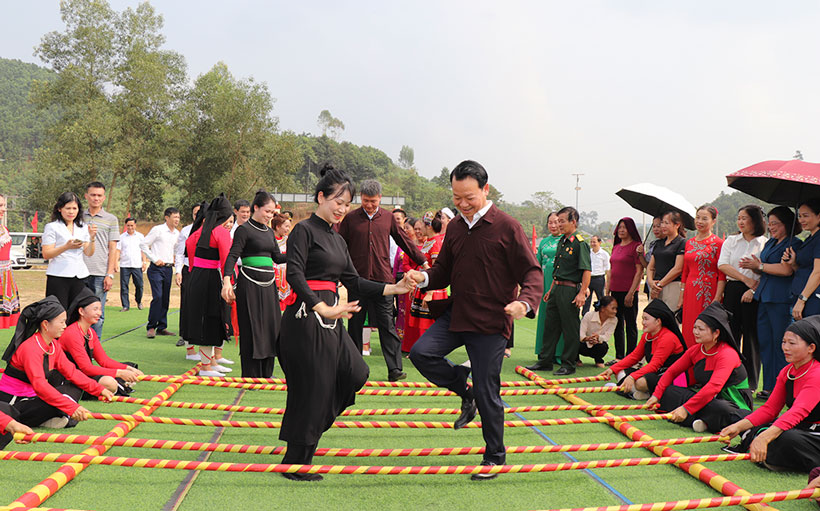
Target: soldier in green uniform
566 296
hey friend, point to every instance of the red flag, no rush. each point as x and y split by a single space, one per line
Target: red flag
533 239
34 222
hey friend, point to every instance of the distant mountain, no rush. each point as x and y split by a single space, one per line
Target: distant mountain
22 126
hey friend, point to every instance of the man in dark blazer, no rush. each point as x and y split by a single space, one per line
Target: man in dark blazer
484 259
367 231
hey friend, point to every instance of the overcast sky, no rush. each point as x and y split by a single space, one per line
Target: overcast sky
674 93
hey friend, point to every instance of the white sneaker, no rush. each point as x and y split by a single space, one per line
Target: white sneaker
698 426
213 374
195 356
610 384
222 369
224 361
55 423
640 396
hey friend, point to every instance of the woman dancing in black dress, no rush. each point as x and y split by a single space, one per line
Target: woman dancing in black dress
257 296
324 370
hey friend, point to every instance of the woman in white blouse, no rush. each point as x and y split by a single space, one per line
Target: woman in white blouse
741 284
65 240
597 326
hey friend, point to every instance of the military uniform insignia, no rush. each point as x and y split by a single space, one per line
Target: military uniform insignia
580 238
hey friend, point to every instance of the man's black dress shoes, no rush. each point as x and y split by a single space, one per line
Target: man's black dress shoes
468 411
541 365
484 476
564 371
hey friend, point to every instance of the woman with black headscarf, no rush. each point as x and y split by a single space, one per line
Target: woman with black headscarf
82 346
792 440
718 392
34 382
207 315
661 344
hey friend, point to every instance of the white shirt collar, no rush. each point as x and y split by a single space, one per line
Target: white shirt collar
481 212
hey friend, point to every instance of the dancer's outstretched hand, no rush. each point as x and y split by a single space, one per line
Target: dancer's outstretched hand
341 311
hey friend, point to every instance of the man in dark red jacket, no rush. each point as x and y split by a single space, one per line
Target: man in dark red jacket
484 260
367 231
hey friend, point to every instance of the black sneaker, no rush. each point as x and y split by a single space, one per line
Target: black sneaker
484 476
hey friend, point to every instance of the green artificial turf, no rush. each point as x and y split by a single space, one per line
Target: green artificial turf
114 488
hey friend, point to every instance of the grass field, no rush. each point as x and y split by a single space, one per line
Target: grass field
115 488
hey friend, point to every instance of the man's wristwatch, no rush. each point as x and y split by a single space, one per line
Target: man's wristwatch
110 275
803 298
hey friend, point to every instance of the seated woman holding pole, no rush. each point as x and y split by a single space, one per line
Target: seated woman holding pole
718 392
39 381
792 440
661 344
82 347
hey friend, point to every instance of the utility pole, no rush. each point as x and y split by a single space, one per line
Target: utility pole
577 187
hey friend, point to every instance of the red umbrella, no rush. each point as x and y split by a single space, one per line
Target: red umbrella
785 183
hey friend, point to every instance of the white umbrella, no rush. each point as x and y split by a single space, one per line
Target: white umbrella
656 200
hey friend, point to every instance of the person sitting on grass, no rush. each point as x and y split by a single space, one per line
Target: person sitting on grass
597 327
661 344
792 440
9 426
39 381
81 346
718 392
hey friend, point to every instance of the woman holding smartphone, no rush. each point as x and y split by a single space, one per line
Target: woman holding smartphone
65 239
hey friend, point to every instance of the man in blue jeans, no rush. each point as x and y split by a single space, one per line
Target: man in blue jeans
103 263
158 246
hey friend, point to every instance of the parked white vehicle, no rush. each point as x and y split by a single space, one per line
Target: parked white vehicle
26 249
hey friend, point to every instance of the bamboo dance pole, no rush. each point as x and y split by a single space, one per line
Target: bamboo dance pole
373 424
372 383
150 443
366 411
737 500
358 469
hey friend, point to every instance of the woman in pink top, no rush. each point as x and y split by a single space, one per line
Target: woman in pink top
792 440
624 279
82 347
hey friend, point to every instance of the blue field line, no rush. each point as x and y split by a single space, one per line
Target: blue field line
589 472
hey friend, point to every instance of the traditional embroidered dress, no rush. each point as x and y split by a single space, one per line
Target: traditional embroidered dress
10 299
700 277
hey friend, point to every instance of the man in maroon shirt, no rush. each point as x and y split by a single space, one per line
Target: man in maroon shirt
367 232
484 258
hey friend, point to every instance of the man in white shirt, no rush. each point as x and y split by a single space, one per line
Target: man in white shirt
599 258
181 275
132 263
242 212
159 245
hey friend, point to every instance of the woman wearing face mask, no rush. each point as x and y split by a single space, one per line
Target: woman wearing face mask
625 277
718 392
773 293
82 347
257 296
666 265
39 381
741 284
703 283
805 261
596 328
661 344
323 366
208 315
790 441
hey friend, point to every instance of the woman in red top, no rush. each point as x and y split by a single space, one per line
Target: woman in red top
37 373
9 426
792 440
401 264
718 392
702 282
208 315
420 316
411 330
82 345
661 344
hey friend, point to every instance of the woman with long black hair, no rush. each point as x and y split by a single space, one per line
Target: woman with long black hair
323 367
257 295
